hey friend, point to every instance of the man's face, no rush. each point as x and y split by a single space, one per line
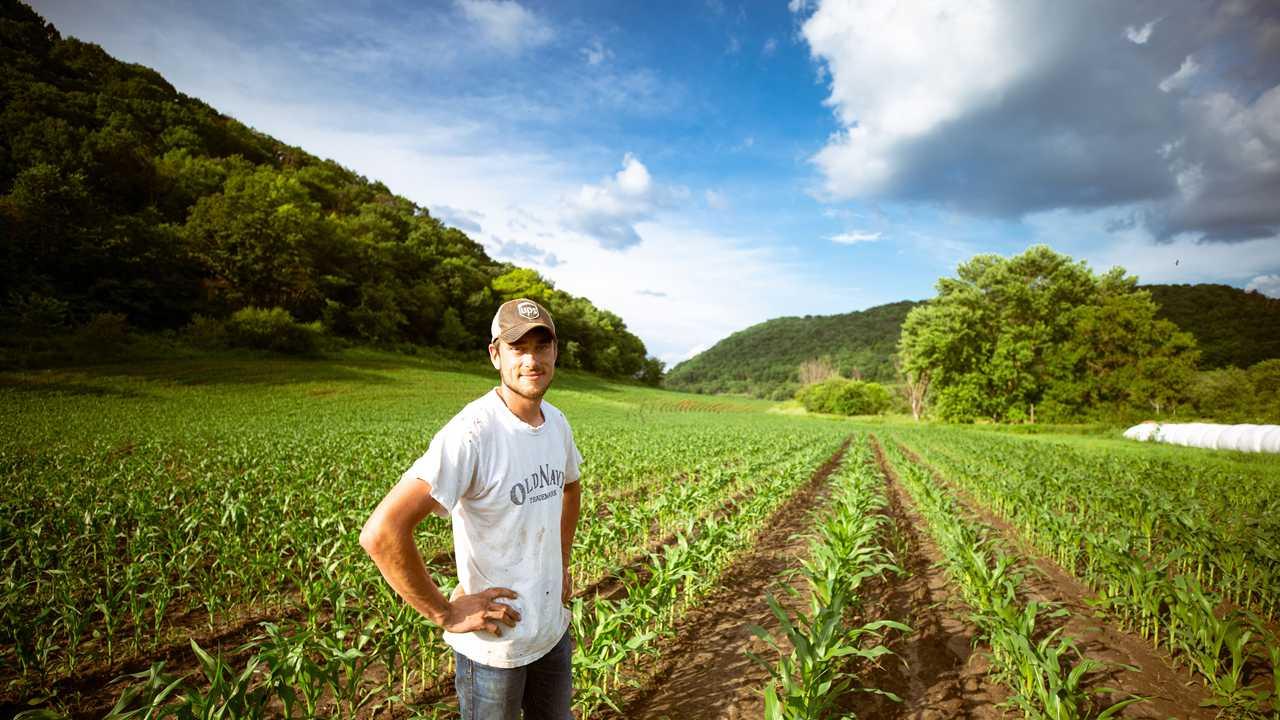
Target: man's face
528 364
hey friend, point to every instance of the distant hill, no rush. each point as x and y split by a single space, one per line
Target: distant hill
762 359
1232 327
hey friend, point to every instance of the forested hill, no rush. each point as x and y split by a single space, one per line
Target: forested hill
120 196
1232 328
763 359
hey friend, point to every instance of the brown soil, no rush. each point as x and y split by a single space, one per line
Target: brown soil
1172 692
703 671
935 670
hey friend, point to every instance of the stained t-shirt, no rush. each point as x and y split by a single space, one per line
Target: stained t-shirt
502 482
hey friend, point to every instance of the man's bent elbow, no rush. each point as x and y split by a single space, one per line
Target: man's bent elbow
373 536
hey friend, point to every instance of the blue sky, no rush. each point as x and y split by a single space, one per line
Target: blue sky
698 167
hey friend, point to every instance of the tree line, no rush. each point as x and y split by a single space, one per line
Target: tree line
123 199
1040 336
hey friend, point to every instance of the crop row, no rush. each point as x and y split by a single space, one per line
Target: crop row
819 649
1044 670
1148 583
613 633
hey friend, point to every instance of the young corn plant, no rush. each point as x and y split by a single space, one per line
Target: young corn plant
826 646
1045 675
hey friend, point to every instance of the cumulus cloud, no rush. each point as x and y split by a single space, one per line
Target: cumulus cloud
1179 79
596 53
464 220
506 24
609 211
1140 36
524 252
1000 110
1268 285
854 237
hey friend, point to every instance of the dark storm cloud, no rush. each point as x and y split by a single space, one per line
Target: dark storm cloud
1089 125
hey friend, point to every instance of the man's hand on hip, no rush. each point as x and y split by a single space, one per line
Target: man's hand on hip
470 613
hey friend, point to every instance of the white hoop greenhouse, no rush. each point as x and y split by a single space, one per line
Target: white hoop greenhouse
1246 438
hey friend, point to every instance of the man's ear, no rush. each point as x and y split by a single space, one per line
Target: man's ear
493 357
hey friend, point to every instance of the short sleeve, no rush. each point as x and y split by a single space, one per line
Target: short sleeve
449 465
573 458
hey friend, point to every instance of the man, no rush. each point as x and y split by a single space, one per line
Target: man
505 469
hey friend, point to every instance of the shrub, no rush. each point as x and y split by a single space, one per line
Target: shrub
206 333
839 396
273 329
104 335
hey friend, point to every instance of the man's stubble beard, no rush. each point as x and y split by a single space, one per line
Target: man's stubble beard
524 394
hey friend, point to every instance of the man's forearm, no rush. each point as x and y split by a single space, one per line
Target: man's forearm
569 519
399 561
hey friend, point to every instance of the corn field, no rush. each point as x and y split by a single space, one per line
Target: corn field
180 540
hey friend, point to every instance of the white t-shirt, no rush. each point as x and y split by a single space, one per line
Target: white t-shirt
501 481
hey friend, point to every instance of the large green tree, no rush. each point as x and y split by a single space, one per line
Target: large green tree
1006 336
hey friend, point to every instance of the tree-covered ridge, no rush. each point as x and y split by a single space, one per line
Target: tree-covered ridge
763 359
1233 328
119 194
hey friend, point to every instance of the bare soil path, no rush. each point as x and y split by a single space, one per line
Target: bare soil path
936 670
1172 692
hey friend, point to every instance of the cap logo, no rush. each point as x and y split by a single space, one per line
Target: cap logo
527 310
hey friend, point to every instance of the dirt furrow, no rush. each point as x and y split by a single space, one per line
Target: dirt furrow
1171 692
703 671
936 670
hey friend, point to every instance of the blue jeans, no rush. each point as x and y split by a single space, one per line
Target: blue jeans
543 688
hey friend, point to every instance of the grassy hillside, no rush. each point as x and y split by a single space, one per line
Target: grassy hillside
1231 326
762 359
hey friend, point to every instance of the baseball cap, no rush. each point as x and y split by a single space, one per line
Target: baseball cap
517 317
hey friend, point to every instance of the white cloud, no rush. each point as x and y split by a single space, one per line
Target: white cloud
1268 285
465 220
596 53
854 237
1140 36
609 211
797 6
716 284
770 47
716 200
507 24
734 45
1179 79
524 253
898 71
